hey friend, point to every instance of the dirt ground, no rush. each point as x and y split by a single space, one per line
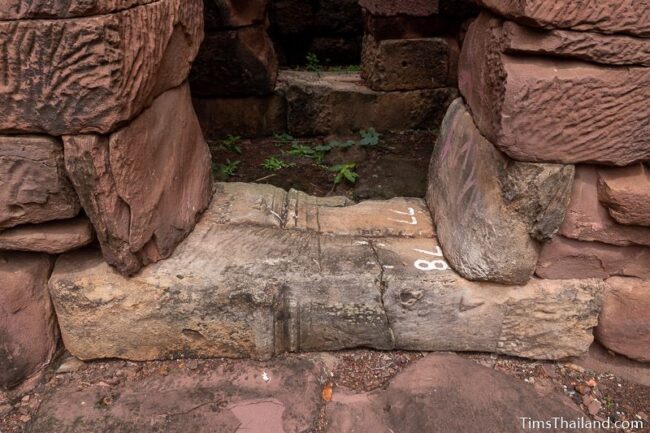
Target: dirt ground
396 166
600 395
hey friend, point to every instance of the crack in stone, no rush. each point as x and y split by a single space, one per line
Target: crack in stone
382 290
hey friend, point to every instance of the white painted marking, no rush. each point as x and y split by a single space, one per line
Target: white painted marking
431 265
410 212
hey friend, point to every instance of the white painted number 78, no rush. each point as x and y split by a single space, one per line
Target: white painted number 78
431 265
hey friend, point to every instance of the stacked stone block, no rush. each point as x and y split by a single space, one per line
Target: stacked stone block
98 141
237 58
553 87
410 45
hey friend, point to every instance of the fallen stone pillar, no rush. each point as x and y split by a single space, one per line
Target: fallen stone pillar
240 285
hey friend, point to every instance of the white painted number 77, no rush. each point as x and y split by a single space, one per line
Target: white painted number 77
431 265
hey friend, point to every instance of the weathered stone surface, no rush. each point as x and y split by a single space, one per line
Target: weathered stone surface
398 217
235 63
404 26
35 9
91 75
241 286
588 220
588 46
222 14
600 16
277 397
327 103
143 186
409 64
446 393
624 323
34 185
430 307
28 331
52 237
555 110
626 193
568 258
269 206
230 291
401 7
499 203
247 117
602 361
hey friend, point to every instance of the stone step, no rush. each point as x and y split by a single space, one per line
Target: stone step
322 103
267 272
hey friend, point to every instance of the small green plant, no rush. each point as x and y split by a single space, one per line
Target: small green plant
273 163
313 64
230 143
369 137
229 168
344 171
302 150
282 139
353 68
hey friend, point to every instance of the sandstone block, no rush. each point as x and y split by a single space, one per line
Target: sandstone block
245 117
397 217
447 393
28 331
40 9
409 64
235 63
92 74
624 323
553 110
592 47
143 186
626 193
52 237
222 14
588 220
241 286
430 307
327 103
567 258
404 26
279 396
34 185
234 291
401 7
600 16
502 205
